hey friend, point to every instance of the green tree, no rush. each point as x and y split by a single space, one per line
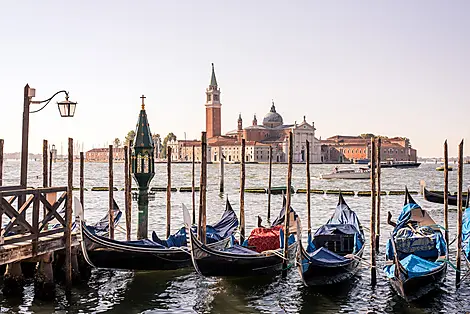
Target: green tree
167 138
129 137
117 142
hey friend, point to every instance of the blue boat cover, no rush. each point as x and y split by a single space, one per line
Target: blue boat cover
221 230
238 249
325 256
280 218
414 265
145 243
466 232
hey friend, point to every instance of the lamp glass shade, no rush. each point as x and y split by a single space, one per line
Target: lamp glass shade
67 108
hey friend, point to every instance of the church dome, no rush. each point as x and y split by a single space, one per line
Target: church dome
272 119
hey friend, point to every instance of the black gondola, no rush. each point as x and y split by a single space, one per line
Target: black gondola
334 253
243 260
416 252
438 197
148 254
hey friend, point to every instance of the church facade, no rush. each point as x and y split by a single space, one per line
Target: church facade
258 137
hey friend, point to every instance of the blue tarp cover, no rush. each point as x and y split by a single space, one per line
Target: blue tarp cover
466 232
145 243
415 266
336 229
238 249
224 228
325 256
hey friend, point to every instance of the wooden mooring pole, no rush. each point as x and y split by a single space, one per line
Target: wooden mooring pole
193 187
221 187
45 180
127 193
50 168
1 161
269 180
309 222
459 213
202 190
373 272
287 209
377 218
111 192
446 191
82 180
68 219
242 192
168 193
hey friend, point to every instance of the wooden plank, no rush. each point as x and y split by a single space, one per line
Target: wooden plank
52 210
16 216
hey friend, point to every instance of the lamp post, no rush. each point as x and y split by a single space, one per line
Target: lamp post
66 109
143 168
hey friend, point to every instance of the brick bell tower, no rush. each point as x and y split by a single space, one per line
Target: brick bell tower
213 107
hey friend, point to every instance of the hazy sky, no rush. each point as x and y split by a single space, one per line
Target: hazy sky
397 68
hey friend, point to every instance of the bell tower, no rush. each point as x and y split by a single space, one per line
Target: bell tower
213 108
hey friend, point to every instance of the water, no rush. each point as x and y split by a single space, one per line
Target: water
186 292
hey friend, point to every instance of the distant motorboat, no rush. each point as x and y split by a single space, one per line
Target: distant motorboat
361 173
399 164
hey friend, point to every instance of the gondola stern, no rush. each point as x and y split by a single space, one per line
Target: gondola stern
192 240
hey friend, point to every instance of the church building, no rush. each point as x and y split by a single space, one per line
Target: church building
258 137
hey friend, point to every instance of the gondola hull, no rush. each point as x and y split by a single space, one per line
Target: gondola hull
439 197
417 287
106 253
320 275
212 262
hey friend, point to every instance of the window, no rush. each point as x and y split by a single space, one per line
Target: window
216 97
208 97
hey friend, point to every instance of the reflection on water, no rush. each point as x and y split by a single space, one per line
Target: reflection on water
184 291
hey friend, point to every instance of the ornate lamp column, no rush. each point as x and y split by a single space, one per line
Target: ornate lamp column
143 168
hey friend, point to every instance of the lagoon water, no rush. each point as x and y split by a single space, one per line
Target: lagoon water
186 292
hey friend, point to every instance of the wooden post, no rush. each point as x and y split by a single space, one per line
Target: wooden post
50 168
24 144
242 193
129 193
168 193
377 218
126 193
309 222
193 190
287 209
44 164
202 190
1 162
68 219
82 180
269 180
111 193
459 213
446 191
373 273
221 188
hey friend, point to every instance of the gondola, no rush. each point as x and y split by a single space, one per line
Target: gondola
438 197
416 252
334 253
466 231
147 254
260 254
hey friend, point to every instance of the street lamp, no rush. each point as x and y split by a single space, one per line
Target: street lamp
66 109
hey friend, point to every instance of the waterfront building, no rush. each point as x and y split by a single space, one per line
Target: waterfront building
346 149
101 154
258 137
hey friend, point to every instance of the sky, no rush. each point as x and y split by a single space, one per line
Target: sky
394 68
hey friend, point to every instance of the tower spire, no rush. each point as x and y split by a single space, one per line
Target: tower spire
213 79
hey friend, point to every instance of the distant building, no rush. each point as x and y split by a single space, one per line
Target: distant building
102 154
258 138
345 149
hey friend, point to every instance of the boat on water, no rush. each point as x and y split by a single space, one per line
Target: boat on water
438 196
441 168
260 254
361 173
466 231
398 164
334 252
146 254
416 252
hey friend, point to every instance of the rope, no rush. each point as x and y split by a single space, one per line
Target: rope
445 260
288 266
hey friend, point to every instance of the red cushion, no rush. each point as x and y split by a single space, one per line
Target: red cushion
263 239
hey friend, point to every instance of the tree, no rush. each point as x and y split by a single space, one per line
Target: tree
117 142
129 137
169 137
